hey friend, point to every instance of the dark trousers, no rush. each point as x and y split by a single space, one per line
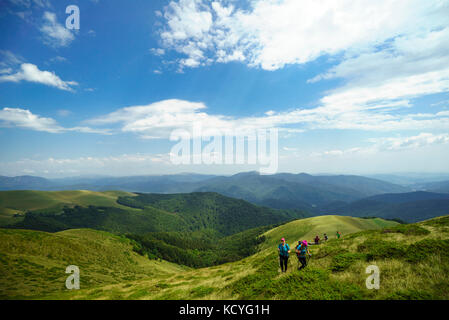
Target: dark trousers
283 261
303 262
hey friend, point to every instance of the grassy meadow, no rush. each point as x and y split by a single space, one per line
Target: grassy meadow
413 261
14 204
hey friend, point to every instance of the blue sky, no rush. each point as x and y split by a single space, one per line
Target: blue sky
352 87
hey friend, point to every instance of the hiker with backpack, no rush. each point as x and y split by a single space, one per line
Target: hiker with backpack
317 240
284 251
302 250
325 237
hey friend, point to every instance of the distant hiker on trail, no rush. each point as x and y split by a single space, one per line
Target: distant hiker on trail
338 234
317 240
325 237
284 251
302 250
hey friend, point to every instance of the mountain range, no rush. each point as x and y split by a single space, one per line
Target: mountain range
408 207
316 194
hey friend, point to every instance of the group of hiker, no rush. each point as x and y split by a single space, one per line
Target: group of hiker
301 250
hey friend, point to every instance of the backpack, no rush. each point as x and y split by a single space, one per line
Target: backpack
302 252
283 250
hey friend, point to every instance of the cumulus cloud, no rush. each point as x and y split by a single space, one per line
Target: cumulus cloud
271 34
159 119
31 73
413 142
389 144
25 119
404 56
55 34
22 118
388 52
124 164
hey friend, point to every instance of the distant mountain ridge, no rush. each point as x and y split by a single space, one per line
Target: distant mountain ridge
280 191
24 182
437 186
409 207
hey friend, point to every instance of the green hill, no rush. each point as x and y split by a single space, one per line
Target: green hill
307 229
413 261
121 212
33 263
14 204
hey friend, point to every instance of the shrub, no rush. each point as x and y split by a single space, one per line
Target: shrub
201 291
411 295
342 261
380 249
444 221
424 248
407 229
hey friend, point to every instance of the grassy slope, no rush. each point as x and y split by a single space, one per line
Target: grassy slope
336 271
53 211
17 202
307 229
32 263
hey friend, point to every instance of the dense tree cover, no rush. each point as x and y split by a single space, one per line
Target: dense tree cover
101 218
208 210
201 248
160 213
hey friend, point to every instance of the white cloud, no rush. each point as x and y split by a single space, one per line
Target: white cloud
159 119
421 140
25 119
273 33
58 59
389 144
29 3
6 71
389 53
22 118
9 59
123 164
404 56
157 51
55 33
30 72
